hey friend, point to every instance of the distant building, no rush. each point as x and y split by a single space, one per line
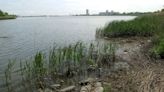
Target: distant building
87 12
107 13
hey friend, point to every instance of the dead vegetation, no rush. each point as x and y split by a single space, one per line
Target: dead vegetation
144 75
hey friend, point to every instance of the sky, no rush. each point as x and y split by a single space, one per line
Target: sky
68 7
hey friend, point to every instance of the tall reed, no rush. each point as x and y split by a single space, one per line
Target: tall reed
66 62
8 76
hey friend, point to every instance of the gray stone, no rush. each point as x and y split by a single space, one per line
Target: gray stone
93 87
87 81
98 89
67 89
55 86
149 41
86 88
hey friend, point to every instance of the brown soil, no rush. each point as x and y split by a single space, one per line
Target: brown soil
144 75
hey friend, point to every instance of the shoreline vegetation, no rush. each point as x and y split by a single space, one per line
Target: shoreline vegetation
151 25
135 69
64 67
5 15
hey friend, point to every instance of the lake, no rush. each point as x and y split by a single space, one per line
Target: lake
23 37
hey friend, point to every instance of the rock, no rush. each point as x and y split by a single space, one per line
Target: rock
86 88
106 84
55 86
93 86
98 89
106 38
67 89
98 84
140 45
149 41
61 81
125 50
86 82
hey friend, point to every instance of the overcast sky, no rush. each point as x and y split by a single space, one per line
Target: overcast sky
66 7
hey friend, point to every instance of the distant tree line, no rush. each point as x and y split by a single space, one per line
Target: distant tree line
162 10
3 13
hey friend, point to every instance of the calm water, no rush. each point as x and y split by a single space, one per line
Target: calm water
23 37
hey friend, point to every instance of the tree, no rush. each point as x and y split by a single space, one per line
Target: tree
6 14
1 13
162 10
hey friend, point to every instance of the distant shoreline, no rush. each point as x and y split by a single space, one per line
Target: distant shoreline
70 16
7 17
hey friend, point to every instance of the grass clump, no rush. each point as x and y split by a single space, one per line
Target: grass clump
38 65
107 88
140 26
158 48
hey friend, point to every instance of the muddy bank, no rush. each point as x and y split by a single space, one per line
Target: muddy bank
145 73
129 72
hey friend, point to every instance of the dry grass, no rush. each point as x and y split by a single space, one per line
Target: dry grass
145 75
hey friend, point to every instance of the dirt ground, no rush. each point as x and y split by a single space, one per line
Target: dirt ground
144 75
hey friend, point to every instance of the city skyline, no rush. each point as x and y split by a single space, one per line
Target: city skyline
71 7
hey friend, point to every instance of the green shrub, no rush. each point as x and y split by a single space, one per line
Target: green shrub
158 48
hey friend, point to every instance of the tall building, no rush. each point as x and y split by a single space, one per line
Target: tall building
87 12
107 12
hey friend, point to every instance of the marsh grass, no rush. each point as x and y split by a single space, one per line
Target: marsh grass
158 47
140 26
66 62
8 76
143 26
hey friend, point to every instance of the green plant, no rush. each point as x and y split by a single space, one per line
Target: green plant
158 49
8 76
62 61
107 88
140 26
38 67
